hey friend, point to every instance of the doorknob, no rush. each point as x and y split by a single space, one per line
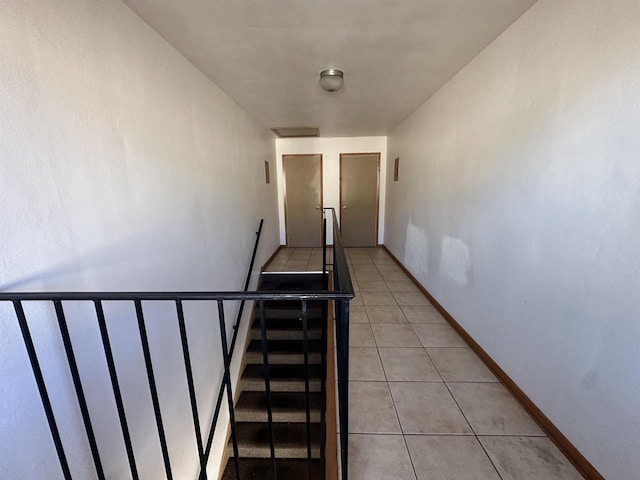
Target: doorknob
317 207
344 207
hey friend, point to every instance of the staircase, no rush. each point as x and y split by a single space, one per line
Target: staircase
299 449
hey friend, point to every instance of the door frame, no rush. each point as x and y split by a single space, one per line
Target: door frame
284 190
377 154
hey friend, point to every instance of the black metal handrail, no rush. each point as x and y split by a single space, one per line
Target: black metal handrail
341 294
343 288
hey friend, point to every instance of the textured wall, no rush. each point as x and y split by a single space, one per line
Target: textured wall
121 168
518 207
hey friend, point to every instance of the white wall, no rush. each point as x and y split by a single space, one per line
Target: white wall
518 207
122 167
331 148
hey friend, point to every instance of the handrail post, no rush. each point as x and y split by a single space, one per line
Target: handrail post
342 337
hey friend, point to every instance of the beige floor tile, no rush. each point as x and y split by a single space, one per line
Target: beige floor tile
373 286
460 365
357 314
360 268
360 335
383 260
361 260
395 335
402 286
528 458
365 364
422 314
443 457
371 408
391 276
279 261
411 298
301 250
390 267
379 457
357 300
385 314
298 261
408 364
492 410
378 298
274 268
438 335
368 276
427 407
294 268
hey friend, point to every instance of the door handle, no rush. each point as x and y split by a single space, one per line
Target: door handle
317 207
344 207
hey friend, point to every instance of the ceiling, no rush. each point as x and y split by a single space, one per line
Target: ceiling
267 55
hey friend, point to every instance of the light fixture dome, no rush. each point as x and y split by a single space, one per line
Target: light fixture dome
331 79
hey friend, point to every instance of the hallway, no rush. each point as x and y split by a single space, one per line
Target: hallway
422 404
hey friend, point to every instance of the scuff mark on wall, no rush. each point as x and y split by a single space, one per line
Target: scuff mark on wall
454 260
416 250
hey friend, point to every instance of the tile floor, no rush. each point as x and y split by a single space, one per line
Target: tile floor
422 405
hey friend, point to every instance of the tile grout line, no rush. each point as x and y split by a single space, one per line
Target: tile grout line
393 402
475 435
448 390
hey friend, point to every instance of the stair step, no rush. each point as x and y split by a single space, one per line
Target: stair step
285 407
283 378
290 309
260 469
291 282
287 329
290 440
284 352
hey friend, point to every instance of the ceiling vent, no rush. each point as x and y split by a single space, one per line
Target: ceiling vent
293 132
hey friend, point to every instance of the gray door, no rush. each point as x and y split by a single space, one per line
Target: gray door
359 186
303 199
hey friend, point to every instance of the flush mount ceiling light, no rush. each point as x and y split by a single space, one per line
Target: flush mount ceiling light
331 79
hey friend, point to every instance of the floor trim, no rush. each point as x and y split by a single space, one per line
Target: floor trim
270 259
578 460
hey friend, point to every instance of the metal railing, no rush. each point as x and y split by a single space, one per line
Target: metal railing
341 294
341 283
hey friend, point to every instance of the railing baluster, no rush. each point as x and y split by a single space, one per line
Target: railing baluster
227 382
307 396
323 384
192 389
77 383
267 387
152 387
42 387
342 328
115 385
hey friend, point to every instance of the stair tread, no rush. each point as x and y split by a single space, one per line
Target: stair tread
260 469
284 346
298 282
288 378
290 323
290 439
286 407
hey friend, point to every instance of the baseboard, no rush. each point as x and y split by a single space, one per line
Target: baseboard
266 264
578 460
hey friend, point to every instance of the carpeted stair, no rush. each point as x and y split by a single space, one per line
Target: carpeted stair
287 382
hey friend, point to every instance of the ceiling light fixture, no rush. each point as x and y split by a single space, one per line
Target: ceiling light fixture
331 79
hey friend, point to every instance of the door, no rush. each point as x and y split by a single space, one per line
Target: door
359 186
303 199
